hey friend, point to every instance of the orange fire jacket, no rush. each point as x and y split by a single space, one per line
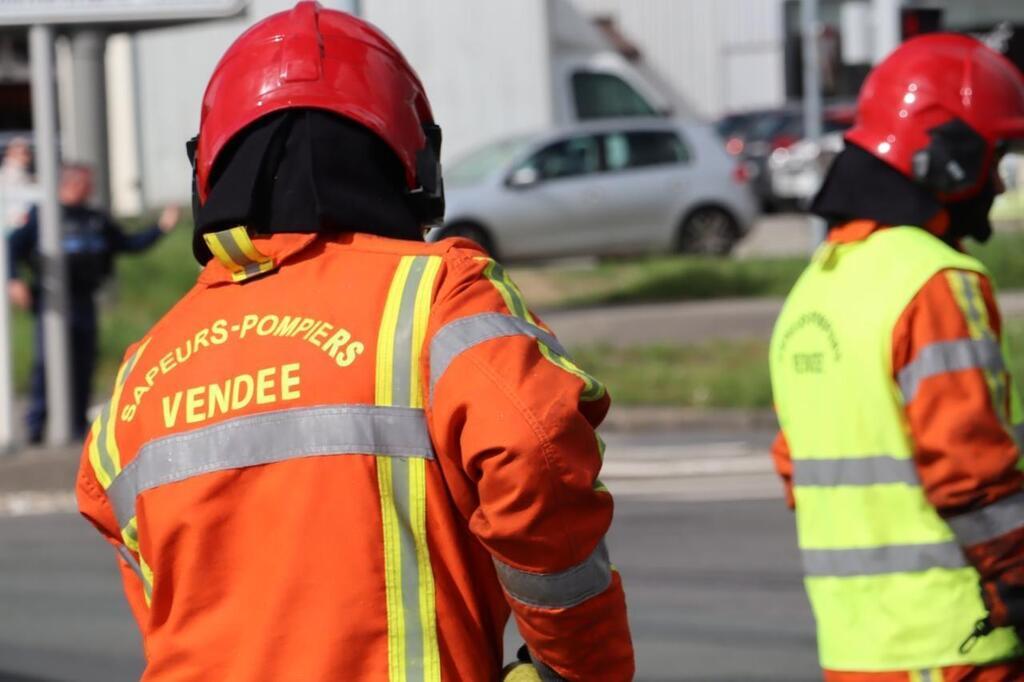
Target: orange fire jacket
966 448
346 458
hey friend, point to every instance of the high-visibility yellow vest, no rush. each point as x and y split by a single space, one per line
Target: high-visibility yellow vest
888 584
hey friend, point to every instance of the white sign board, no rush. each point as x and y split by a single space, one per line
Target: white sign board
28 12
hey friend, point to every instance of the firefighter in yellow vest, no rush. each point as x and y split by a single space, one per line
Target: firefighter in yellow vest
900 423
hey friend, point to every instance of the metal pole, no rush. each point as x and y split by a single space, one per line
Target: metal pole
89 109
6 342
887 27
809 32
54 285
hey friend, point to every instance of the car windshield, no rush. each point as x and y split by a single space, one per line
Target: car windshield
477 165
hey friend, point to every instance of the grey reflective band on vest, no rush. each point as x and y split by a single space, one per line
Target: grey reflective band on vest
267 438
844 563
988 523
561 590
949 356
459 336
873 470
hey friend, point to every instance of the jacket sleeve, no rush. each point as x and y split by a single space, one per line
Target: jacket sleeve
784 467
21 243
94 505
132 242
960 405
513 420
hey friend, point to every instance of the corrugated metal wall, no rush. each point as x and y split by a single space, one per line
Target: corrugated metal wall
720 55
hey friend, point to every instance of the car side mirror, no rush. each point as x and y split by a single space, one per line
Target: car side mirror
524 177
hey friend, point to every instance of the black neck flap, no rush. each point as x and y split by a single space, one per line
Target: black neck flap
859 186
306 170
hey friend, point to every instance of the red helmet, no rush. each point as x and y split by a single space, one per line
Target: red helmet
937 107
310 57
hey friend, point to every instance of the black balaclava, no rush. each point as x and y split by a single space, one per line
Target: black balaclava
306 170
860 186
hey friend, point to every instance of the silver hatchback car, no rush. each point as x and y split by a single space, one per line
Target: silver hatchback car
614 187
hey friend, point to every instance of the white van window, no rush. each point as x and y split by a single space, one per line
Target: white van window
605 95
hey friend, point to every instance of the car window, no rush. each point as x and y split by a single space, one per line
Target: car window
604 95
477 165
645 148
575 156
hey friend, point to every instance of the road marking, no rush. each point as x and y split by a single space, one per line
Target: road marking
686 472
32 503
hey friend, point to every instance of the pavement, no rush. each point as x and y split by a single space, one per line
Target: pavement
689 321
701 537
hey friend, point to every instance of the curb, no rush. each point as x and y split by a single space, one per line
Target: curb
39 469
680 418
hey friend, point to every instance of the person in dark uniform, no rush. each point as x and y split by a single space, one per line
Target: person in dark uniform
91 240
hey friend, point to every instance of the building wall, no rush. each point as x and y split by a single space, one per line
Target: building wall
719 55
172 67
485 65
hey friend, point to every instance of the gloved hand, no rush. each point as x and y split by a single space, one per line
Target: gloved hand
524 670
520 672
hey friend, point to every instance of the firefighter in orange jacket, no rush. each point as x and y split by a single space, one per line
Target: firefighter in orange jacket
347 454
901 430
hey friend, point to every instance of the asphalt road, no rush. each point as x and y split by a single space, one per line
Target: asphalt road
703 542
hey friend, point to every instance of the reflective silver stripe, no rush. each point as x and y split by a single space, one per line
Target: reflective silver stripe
821 563
988 523
873 470
270 437
126 554
459 336
949 356
561 590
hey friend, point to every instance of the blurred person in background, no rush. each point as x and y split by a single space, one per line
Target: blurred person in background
91 240
347 454
16 183
900 423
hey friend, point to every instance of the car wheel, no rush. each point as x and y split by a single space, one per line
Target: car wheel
708 231
473 233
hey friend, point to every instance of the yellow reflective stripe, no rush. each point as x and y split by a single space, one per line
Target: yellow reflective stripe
115 403
513 298
213 242
235 250
99 470
418 481
147 581
104 453
966 287
244 243
388 510
598 485
413 651
386 338
392 571
421 316
130 535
